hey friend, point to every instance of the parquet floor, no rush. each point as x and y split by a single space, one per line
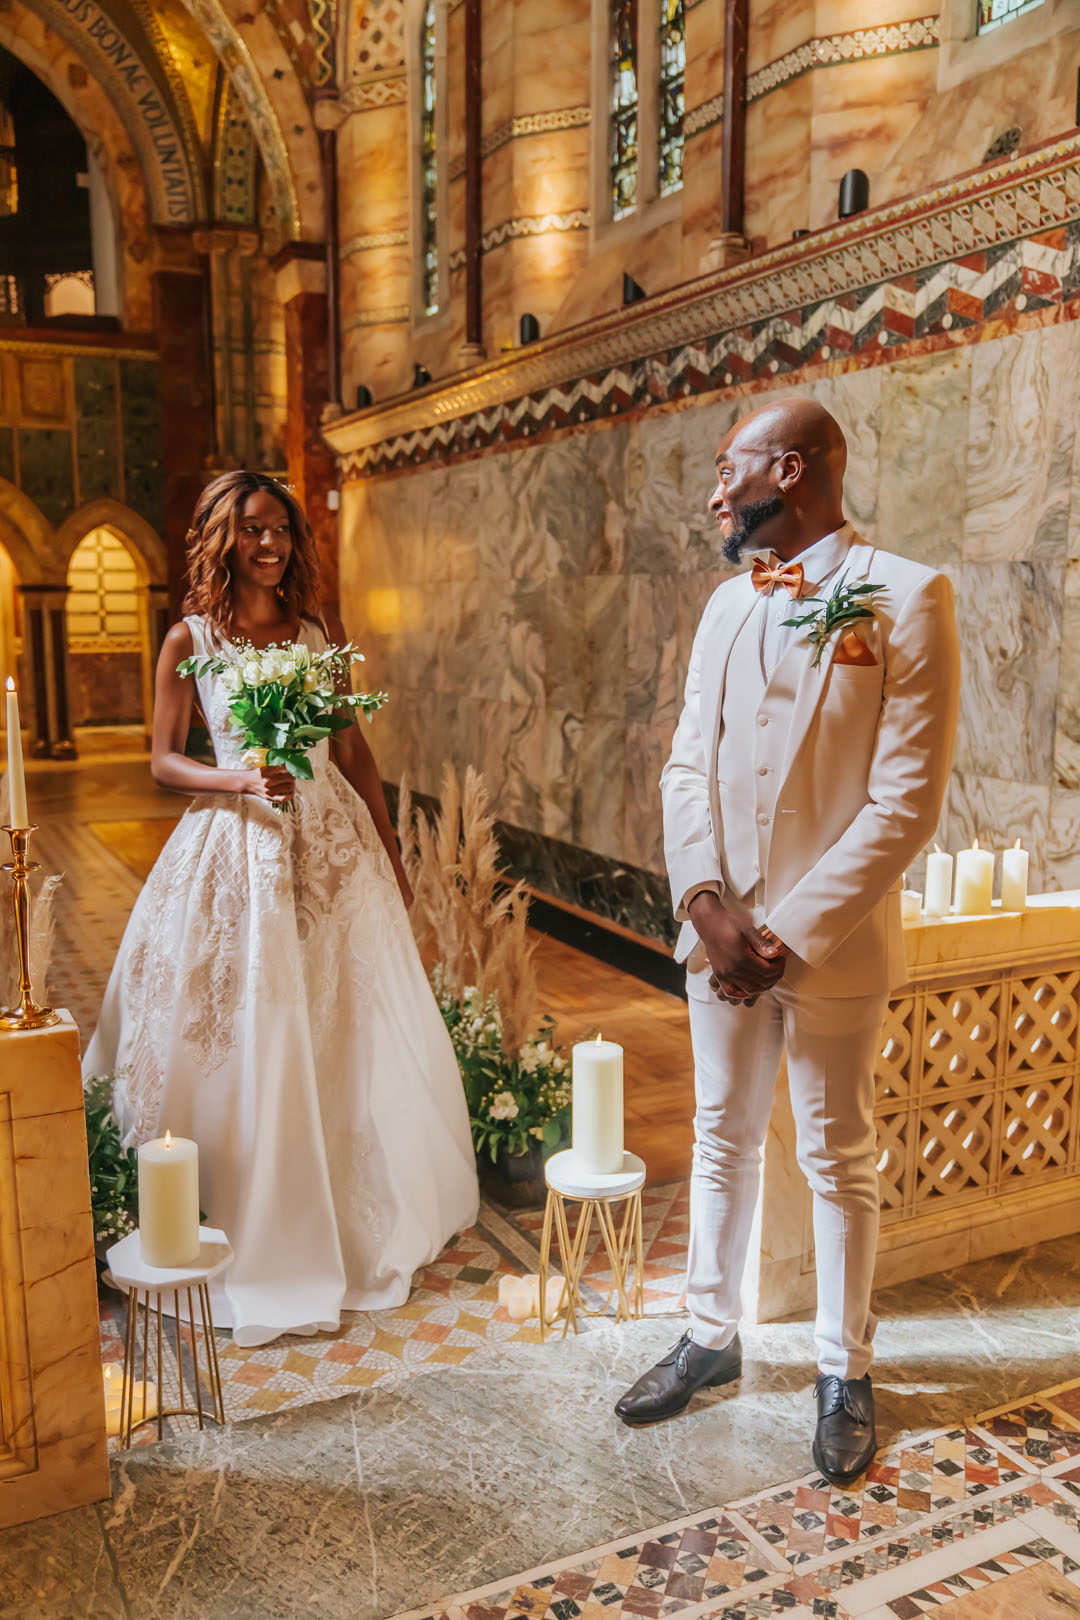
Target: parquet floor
104 824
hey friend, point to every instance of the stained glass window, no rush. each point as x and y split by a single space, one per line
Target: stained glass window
992 13
624 106
669 143
429 168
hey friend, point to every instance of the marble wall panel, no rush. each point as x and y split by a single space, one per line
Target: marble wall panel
1009 617
1024 394
534 609
924 428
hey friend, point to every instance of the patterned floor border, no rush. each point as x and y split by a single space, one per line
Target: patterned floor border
452 1313
936 1522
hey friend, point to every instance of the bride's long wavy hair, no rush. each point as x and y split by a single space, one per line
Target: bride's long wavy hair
211 540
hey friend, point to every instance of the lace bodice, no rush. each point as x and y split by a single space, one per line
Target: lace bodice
214 700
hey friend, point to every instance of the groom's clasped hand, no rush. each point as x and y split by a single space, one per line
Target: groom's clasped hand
745 961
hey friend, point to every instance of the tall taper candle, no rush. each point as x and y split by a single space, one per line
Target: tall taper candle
169 1201
597 1106
17 813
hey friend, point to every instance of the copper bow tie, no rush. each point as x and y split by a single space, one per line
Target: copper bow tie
787 575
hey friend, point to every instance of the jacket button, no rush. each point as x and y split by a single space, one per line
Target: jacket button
763 770
763 820
763 719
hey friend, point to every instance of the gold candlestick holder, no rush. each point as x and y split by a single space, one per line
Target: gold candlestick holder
27 1015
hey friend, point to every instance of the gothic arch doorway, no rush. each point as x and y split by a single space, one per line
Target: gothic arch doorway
112 636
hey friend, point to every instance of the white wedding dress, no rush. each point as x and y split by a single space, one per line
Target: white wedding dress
268 1001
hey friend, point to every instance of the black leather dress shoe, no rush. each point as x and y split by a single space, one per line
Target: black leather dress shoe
666 1389
845 1441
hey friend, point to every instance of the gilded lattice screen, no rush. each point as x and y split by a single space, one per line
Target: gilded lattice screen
977 1089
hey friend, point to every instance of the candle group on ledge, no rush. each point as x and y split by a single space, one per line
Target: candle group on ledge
971 894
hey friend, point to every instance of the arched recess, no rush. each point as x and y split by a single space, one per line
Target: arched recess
101 665
25 34
244 36
133 530
26 535
171 172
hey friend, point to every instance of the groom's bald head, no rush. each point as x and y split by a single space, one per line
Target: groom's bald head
780 471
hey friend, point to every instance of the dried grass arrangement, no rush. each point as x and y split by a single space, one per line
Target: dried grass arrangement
471 925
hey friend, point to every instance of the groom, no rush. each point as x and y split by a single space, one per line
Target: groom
807 771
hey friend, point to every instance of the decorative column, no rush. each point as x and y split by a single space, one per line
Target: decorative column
300 268
731 245
182 320
472 350
45 640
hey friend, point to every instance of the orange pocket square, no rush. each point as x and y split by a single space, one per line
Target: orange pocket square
853 650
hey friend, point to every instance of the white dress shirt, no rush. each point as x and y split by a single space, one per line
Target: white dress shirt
820 563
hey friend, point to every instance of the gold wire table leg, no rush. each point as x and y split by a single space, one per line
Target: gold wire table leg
127 1390
545 1259
639 1257
160 1374
607 1232
195 1358
216 1390
567 1254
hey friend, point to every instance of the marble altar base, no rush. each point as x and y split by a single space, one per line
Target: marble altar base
978 1108
52 1409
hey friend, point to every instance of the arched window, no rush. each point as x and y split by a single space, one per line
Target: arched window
103 596
623 145
992 13
429 160
641 99
670 105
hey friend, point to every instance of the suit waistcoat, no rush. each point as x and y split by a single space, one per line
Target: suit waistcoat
755 720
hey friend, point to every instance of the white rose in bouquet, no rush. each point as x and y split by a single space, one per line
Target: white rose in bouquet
251 673
270 664
287 672
253 759
311 681
232 680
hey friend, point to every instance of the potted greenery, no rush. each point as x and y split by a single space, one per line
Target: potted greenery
471 923
114 1169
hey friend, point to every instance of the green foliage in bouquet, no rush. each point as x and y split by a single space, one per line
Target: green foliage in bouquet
284 700
471 924
114 1169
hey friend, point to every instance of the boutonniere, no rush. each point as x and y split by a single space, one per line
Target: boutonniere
846 605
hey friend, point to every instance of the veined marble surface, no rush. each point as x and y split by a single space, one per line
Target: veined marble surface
380 1502
532 611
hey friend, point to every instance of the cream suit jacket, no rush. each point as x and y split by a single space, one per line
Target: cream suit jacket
866 759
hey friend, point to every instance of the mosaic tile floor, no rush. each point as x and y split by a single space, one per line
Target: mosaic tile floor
978 1522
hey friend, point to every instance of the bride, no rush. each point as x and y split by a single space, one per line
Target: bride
268 999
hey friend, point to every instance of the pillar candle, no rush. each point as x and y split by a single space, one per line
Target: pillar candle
597 1106
975 881
910 905
169 1202
1014 878
17 813
937 890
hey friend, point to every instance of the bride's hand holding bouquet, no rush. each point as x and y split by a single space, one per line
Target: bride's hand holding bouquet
283 701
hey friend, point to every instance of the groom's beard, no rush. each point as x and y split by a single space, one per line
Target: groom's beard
753 516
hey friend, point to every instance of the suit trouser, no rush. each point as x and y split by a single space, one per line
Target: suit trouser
831 1048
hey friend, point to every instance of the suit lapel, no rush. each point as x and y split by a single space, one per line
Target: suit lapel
743 598
812 682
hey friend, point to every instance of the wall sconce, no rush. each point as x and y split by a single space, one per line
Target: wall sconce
528 330
421 376
364 397
854 193
631 292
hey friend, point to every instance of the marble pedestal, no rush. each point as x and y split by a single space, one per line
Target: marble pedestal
977 1105
52 1410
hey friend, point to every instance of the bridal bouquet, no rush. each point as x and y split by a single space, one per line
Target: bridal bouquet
284 700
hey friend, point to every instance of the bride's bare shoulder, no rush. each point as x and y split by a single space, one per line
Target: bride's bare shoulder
178 643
